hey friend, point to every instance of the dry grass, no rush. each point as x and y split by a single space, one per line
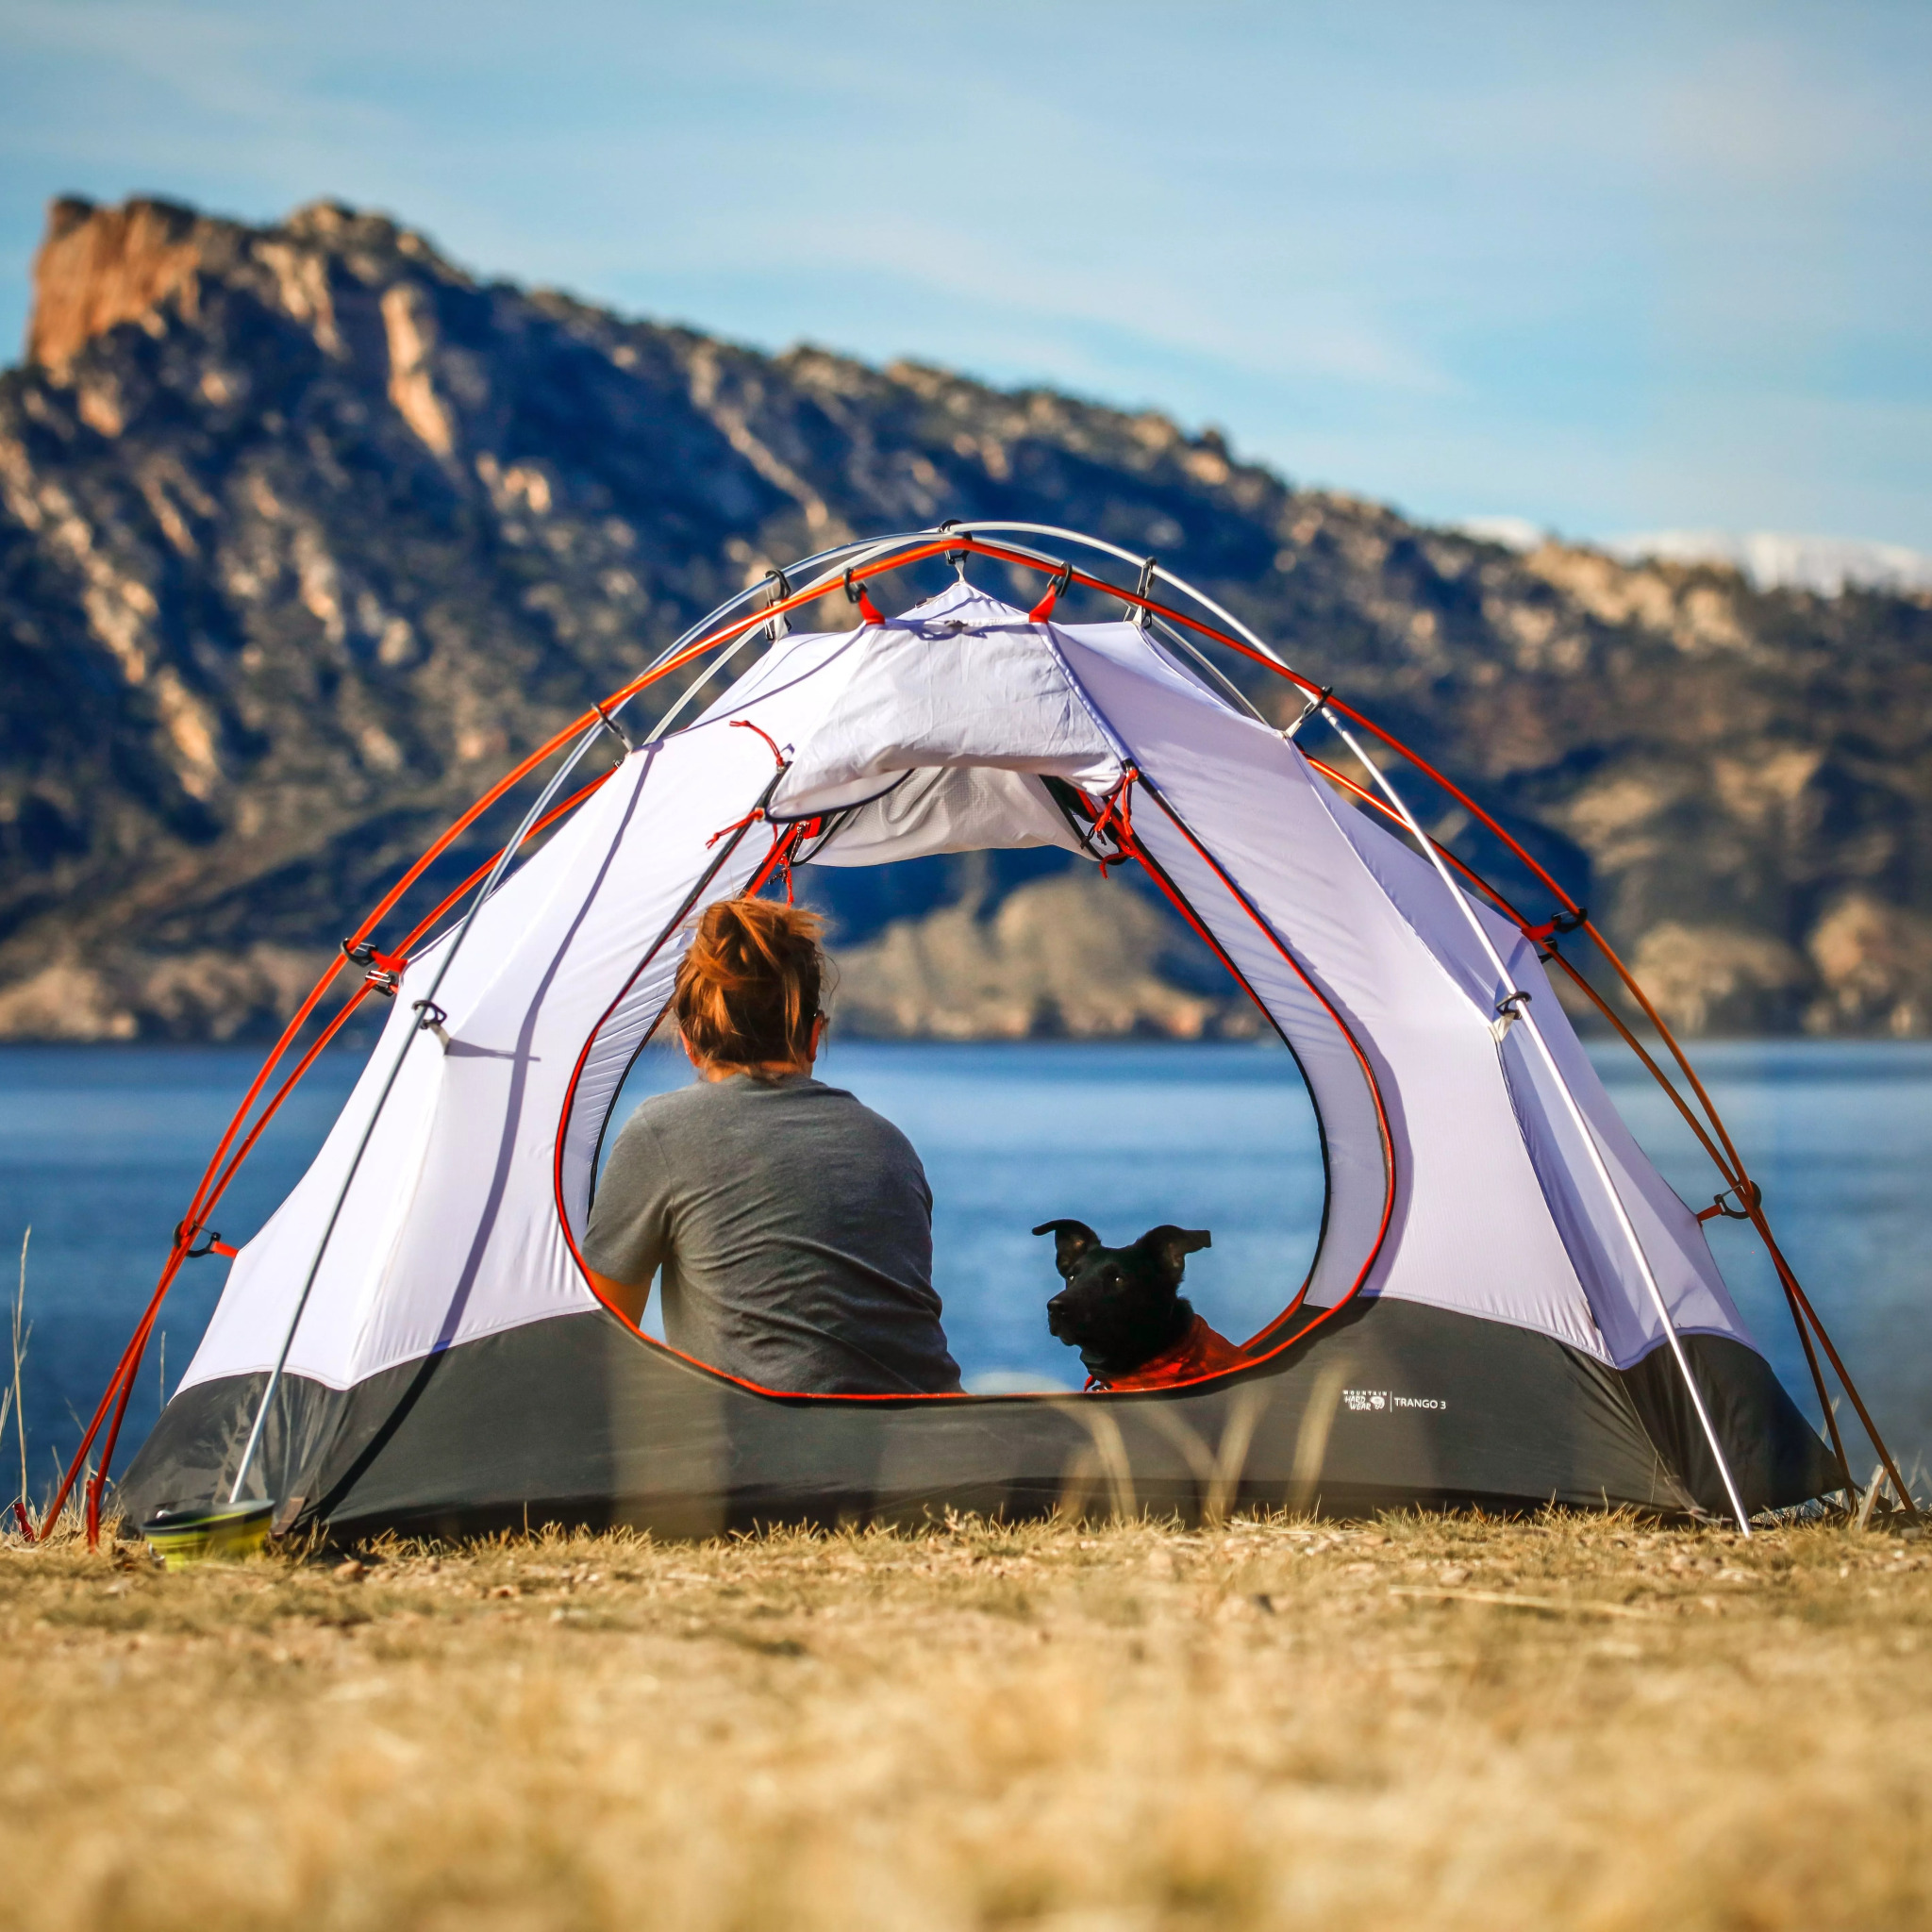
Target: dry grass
1421 1722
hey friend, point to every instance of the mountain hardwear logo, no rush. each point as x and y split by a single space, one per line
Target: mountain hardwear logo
1364 1401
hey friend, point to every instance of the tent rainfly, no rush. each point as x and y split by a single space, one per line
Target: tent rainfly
1508 1306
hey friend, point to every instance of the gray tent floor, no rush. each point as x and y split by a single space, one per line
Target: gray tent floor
576 1421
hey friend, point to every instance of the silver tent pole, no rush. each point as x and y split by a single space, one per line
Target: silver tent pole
1519 1005
1575 1112
868 551
1625 1227
426 1006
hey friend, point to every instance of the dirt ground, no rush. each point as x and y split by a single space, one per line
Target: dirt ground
1425 1722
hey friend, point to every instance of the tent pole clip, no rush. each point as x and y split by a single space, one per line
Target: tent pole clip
214 1244
1544 937
1138 612
1511 1007
956 558
1311 705
1042 611
780 627
384 972
432 1020
855 593
615 729
1740 1212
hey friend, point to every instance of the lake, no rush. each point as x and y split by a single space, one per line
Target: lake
101 1146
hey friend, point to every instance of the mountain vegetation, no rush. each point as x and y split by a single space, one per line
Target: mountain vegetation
306 533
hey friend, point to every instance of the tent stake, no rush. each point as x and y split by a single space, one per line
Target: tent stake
1869 1501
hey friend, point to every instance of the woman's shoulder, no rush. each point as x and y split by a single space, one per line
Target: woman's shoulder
668 1113
738 1093
861 1119
709 1100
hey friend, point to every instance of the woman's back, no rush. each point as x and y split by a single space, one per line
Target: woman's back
793 1226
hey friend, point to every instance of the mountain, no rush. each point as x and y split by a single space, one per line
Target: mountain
305 532
1774 560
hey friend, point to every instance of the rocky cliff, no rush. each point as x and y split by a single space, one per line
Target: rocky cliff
305 532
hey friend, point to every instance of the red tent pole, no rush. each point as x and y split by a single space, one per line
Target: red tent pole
910 550
1734 1181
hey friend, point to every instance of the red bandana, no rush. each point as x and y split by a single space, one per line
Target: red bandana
1199 1352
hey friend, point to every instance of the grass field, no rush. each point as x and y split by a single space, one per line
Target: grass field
1425 1722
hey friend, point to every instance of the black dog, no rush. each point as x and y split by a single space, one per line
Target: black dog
1122 1307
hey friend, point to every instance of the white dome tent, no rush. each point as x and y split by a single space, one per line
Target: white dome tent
1507 1305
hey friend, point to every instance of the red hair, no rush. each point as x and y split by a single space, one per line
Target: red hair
749 987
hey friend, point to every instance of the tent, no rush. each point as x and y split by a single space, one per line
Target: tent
1507 1305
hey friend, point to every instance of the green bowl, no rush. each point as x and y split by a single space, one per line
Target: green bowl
182 1537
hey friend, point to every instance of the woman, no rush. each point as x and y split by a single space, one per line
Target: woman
792 1226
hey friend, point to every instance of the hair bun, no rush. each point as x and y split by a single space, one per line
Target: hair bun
750 983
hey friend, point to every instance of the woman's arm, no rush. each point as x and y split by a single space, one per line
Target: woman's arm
628 1300
627 1237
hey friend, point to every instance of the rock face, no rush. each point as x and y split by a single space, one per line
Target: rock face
1069 956
98 267
304 533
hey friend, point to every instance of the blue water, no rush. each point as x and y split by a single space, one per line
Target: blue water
101 1146
1122 1138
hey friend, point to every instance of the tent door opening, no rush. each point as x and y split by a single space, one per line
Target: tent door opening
1042 1122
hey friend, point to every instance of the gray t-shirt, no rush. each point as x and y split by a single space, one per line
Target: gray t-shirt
794 1230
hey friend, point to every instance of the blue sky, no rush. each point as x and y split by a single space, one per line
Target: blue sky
1609 267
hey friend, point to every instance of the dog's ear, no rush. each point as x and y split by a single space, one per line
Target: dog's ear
1071 1240
1171 1246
